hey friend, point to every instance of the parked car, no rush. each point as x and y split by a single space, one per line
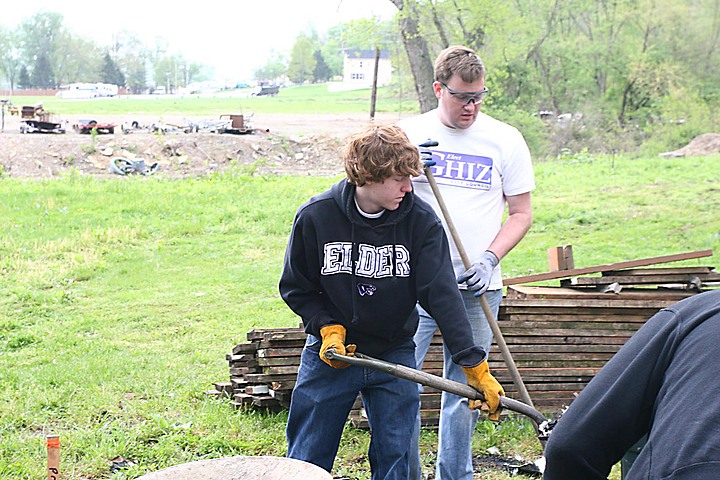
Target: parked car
87 126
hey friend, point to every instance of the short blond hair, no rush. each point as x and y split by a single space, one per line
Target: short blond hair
461 61
378 152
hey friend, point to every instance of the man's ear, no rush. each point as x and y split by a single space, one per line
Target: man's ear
437 88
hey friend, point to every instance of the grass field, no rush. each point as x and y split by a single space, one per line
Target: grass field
298 99
121 298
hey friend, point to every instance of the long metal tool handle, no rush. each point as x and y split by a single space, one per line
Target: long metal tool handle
499 339
430 380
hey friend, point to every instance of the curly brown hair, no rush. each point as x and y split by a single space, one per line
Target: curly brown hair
378 152
459 60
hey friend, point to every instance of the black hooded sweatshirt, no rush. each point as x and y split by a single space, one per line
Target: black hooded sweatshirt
367 275
662 383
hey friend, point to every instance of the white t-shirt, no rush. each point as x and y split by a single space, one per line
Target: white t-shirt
476 169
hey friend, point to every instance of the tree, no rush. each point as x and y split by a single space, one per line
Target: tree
83 61
302 62
173 71
24 77
322 72
39 45
275 67
42 75
418 55
9 56
111 73
132 59
135 73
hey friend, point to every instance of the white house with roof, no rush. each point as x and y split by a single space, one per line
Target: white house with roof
359 70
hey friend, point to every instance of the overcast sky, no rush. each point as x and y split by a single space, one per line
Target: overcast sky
235 37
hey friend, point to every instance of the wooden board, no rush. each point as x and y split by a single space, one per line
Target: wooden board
607 267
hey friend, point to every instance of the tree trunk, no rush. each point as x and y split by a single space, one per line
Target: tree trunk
438 24
416 48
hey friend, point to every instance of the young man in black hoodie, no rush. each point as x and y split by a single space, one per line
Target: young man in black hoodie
359 258
662 383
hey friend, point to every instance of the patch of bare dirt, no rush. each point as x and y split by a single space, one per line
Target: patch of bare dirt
280 144
705 144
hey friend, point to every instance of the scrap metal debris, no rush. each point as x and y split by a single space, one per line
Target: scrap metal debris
512 466
122 166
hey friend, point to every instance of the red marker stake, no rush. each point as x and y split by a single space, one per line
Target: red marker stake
53 457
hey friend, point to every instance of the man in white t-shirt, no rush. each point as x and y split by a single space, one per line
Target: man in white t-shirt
481 166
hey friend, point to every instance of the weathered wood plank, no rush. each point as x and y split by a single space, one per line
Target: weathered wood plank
281 370
496 364
607 267
567 339
259 333
264 377
568 316
589 305
278 352
676 278
283 384
278 361
244 348
558 349
566 328
649 272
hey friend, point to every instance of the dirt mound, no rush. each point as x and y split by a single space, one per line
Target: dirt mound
705 144
280 144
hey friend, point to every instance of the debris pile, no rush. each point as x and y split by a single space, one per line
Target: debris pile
705 144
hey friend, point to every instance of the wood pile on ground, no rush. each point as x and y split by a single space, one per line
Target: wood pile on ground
559 336
264 369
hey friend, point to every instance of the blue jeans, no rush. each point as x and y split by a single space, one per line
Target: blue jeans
457 421
323 397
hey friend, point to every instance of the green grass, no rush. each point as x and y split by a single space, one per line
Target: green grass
290 100
122 296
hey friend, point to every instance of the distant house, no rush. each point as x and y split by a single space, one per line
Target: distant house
359 68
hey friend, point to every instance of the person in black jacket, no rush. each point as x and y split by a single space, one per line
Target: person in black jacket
359 258
661 384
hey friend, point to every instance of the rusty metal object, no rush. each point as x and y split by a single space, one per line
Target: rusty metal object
543 426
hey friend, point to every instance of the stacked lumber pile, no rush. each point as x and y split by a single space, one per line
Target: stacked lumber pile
559 336
263 370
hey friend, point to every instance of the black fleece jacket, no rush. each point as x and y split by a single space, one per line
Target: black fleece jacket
341 268
662 383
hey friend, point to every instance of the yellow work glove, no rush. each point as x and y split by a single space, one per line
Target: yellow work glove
333 336
480 379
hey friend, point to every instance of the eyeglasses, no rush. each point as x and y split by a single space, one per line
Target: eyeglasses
466 97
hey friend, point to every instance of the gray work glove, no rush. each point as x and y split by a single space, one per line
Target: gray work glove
478 276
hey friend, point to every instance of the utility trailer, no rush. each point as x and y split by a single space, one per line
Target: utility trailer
44 123
36 120
87 126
